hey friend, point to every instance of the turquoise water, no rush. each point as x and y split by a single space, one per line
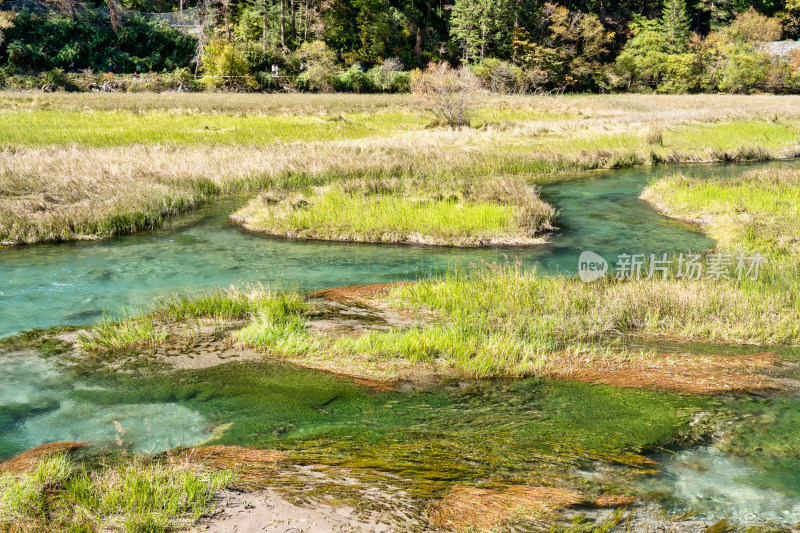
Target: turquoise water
41 402
51 285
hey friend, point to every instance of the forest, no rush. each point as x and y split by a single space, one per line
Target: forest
511 46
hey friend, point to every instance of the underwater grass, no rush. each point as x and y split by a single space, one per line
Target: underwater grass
498 211
432 438
131 495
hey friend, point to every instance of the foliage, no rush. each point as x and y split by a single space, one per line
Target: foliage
38 42
728 60
448 94
319 67
224 65
675 26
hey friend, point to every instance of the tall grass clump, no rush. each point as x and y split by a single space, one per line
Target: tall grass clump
506 321
132 331
232 303
126 332
133 495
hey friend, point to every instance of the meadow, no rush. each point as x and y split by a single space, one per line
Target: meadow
90 166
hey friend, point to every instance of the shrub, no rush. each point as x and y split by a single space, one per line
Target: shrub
655 133
500 76
354 80
385 77
447 93
224 65
319 64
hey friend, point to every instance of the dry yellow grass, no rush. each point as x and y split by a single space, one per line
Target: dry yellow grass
470 509
81 191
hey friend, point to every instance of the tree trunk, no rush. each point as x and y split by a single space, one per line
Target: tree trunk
114 15
283 24
292 24
264 28
418 46
305 20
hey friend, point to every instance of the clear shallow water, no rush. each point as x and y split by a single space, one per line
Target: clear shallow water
41 403
73 283
723 486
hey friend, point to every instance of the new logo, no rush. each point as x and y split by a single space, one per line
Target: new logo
591 267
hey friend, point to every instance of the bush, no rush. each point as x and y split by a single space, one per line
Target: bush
448 94
319 64
224 66
354 80
500 76
400 82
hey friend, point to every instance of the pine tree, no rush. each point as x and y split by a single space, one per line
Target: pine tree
675 26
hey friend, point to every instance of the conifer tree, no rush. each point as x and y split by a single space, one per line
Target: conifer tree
675 26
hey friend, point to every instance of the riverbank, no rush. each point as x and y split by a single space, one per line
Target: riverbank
143 158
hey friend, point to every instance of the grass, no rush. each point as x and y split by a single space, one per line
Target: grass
132 495
495 321
757 211
502 321
132 331
501 211
69 174
121 128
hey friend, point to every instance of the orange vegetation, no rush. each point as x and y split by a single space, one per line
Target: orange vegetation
467 508
28 459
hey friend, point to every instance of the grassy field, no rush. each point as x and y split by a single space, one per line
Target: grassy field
466 213
88 166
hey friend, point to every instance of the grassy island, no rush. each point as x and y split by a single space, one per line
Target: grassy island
501 211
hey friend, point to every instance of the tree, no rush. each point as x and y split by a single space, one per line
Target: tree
481 26
753 28
224 65
6 21
320 66
675 26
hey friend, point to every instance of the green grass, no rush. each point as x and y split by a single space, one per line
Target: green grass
119 128
127 332
502 321
757 211
133 495
89 166
131 331
501 211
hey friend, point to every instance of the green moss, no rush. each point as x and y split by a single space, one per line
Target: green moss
432 438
